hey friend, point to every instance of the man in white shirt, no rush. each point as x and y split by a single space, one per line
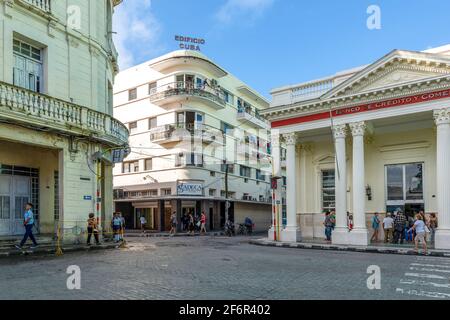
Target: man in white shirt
388 225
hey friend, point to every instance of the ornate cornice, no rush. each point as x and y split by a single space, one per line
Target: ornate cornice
442 116
340 131
358 128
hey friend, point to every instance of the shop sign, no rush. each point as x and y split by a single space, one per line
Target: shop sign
190 189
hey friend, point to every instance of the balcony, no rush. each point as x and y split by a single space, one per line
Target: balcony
168 133
18 105
246 114
40 5
188 91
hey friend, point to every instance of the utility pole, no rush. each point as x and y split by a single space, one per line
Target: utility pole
227 204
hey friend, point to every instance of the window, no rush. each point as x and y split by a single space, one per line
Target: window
152 88
129 167
132 126
212 173
212 192
152 123
28 66
404 183
166 192
132 94
230 168
229 98
260 176
148 164
328 190
245 171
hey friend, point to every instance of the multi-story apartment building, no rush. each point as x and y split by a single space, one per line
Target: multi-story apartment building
57 65
190 121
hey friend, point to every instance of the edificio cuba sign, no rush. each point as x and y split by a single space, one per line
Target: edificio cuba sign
189 43
190 189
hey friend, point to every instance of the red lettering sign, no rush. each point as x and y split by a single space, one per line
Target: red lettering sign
398 102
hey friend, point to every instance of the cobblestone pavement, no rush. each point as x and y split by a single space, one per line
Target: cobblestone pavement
223 268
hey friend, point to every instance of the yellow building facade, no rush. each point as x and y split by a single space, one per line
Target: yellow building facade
57 133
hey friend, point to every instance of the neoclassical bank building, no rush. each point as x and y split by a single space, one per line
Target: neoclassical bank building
371 139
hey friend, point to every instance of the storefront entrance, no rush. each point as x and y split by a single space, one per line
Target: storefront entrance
15 192
405 188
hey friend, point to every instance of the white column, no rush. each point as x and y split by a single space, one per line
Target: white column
359 234
273 233
442 119
340 233
292 232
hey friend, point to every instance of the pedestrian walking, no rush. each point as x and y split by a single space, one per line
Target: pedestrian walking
399 227
122 226
388 226
329 225
173 223
375 227
421 231
191 224
203 223
92 229
143 222
28 222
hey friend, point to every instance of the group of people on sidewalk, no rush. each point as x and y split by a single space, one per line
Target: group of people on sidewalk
191 223
397 227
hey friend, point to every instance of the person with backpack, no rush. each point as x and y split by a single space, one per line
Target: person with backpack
399 227
28 222
376 227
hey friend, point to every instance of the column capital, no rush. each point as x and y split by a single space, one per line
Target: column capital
340 131
442 116
358 128
290 138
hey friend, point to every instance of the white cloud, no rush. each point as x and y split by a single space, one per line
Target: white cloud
137 32
245 11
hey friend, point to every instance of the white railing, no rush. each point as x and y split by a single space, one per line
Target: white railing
188 88
44 5
23 105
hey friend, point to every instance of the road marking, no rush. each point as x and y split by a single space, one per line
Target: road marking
422 293
424 283
430 265
429 270
427 276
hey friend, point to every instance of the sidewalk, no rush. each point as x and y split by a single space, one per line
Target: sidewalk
148 234
381 248
46 246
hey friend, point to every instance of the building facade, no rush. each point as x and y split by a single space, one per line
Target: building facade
190 122
371 139
57 66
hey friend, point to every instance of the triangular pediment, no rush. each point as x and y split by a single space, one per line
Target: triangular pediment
396 68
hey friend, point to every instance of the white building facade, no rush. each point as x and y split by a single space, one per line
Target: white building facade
371 139
57 66
191 121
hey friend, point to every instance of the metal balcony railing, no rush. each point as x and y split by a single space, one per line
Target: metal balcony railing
22 105
186 88
171 131
44 5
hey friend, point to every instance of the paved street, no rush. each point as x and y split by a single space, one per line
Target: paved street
222 268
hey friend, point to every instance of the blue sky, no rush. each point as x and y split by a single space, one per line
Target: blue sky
272 43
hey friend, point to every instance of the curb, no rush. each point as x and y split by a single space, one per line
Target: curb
311 246
52 250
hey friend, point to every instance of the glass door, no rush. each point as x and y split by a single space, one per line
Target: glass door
404 188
